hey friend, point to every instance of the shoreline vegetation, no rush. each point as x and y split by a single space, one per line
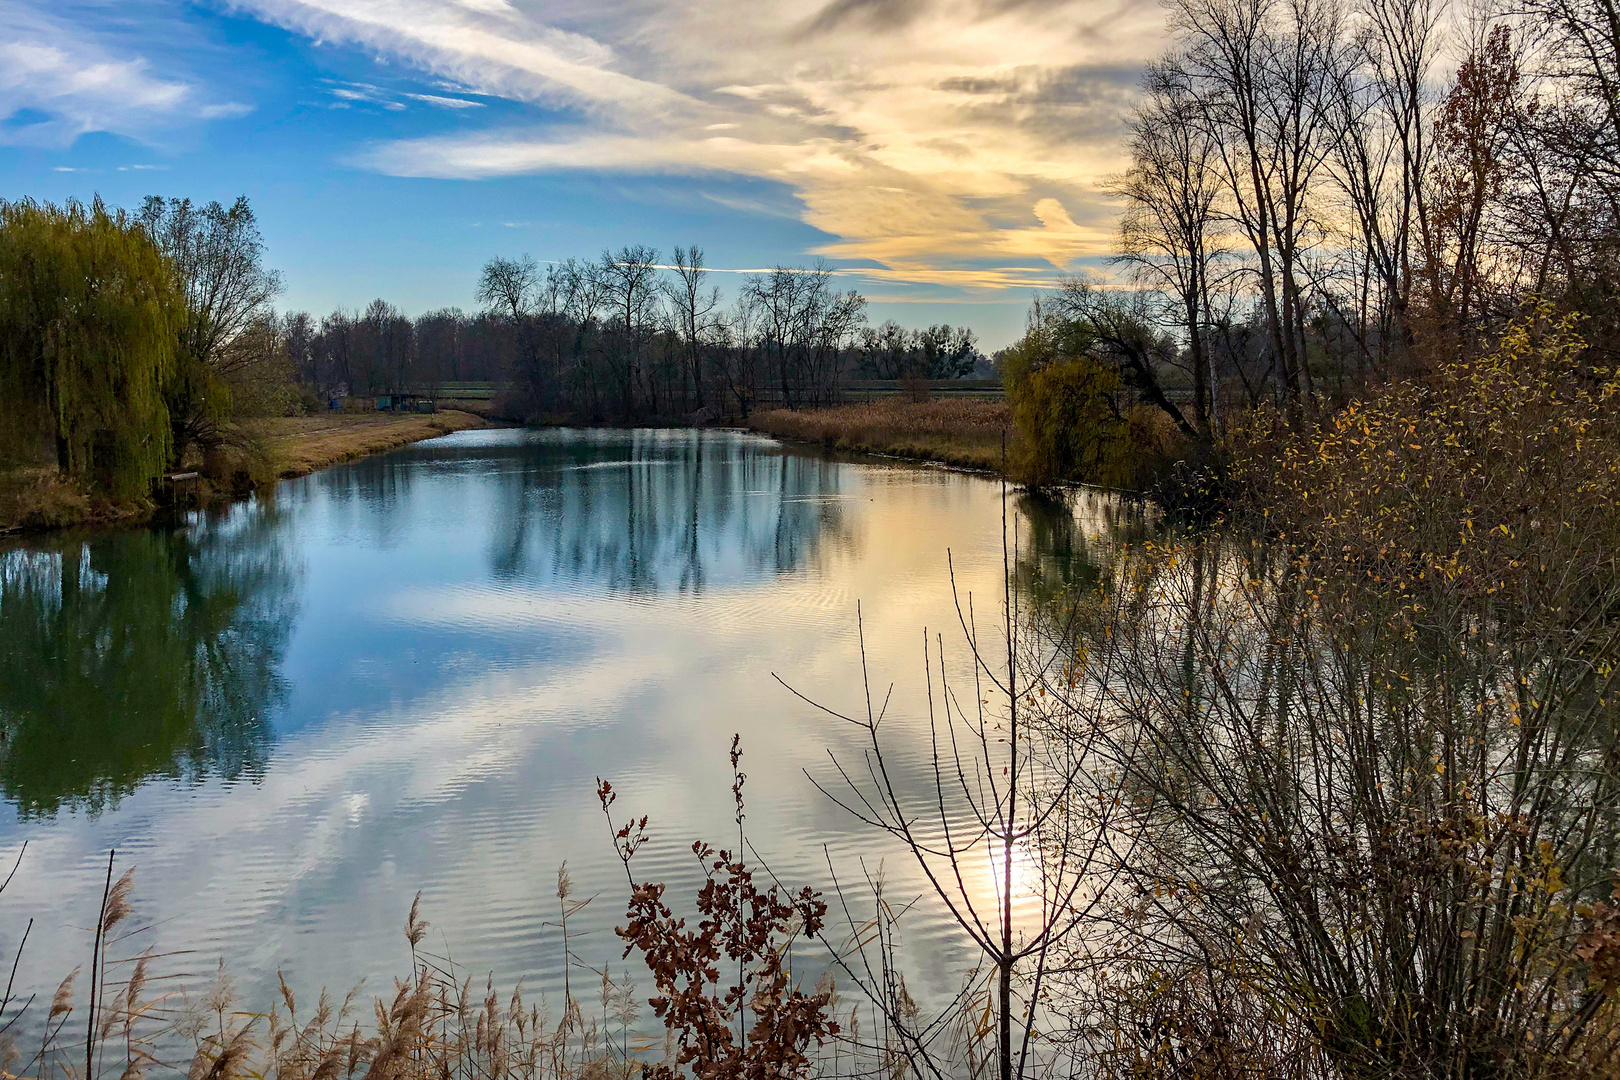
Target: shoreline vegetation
300 445
961 433
39 500
964 433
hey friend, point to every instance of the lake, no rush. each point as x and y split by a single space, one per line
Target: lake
405 674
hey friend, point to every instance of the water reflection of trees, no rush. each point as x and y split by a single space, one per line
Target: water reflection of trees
138 655
651 511
1067 544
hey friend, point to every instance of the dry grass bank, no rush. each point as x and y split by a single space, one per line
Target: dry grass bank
37 499
299 445
962 432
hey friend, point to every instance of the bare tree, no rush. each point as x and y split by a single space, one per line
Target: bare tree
1260 71
1005 789
804 327
1168 231
1382 119
693 310
737 337
775 297
508 285
219 256
388 340
630 284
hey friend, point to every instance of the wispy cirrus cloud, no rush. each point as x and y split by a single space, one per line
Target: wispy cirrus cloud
944 140
57 82
345 94
442 102
487 45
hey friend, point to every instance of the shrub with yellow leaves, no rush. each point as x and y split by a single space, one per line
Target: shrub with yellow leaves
1376 741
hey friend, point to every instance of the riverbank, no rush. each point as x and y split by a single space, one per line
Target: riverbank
966 433
38 499
300 445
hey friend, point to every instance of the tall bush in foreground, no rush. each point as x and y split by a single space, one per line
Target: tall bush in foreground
1375 757
89 310
763 1026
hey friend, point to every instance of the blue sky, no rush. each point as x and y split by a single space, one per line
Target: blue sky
946 155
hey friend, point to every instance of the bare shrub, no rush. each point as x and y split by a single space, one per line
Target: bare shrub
1373 743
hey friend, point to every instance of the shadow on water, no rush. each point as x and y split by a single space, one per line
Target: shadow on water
137 655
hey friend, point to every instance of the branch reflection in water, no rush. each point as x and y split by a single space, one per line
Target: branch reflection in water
473 628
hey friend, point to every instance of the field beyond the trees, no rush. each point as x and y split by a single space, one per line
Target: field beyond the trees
966 432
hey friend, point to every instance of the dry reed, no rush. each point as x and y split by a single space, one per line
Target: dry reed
432 1025
962 432
41 498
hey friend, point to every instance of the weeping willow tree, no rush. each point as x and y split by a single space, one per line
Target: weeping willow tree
89 309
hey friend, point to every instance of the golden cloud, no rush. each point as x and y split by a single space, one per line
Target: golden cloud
945 140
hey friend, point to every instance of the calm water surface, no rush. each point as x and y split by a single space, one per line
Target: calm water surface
405 674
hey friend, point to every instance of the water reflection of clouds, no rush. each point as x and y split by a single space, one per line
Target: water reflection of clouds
480 633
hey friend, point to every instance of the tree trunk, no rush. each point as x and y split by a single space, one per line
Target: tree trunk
1005 991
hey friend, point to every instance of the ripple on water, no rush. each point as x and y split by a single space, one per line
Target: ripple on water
416 666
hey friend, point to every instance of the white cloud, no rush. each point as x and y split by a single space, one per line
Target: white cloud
57 82
931 136
446 102
228 110
484 44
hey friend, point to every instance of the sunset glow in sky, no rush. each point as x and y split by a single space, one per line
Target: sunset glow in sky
946 153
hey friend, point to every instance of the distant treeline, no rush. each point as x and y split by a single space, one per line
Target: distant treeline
134 343
626 337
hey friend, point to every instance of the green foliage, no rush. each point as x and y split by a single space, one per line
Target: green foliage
218 255
198 403
89 310
1064 407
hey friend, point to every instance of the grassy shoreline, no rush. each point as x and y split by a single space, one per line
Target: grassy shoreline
38 500
300 445
962 433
